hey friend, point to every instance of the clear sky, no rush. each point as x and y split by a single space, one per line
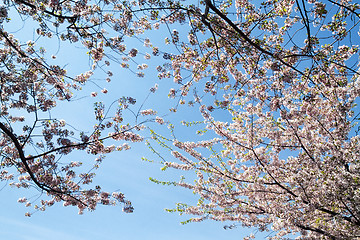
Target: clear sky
123 171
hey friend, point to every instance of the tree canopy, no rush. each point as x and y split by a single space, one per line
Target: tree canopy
276 83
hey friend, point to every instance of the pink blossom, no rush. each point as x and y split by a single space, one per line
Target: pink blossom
159 120
148 112
133 52
104 91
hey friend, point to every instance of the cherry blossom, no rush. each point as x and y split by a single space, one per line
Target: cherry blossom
275 82
33 147
284 75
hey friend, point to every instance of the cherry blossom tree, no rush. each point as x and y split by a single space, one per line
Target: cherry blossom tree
36 148
277 84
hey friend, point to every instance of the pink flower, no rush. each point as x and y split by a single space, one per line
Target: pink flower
133 52
147 112
153 89
159 120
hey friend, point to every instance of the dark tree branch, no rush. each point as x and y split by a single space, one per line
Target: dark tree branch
247 39
72 18
24 160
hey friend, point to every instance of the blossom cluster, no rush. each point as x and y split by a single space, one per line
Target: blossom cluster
281 102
